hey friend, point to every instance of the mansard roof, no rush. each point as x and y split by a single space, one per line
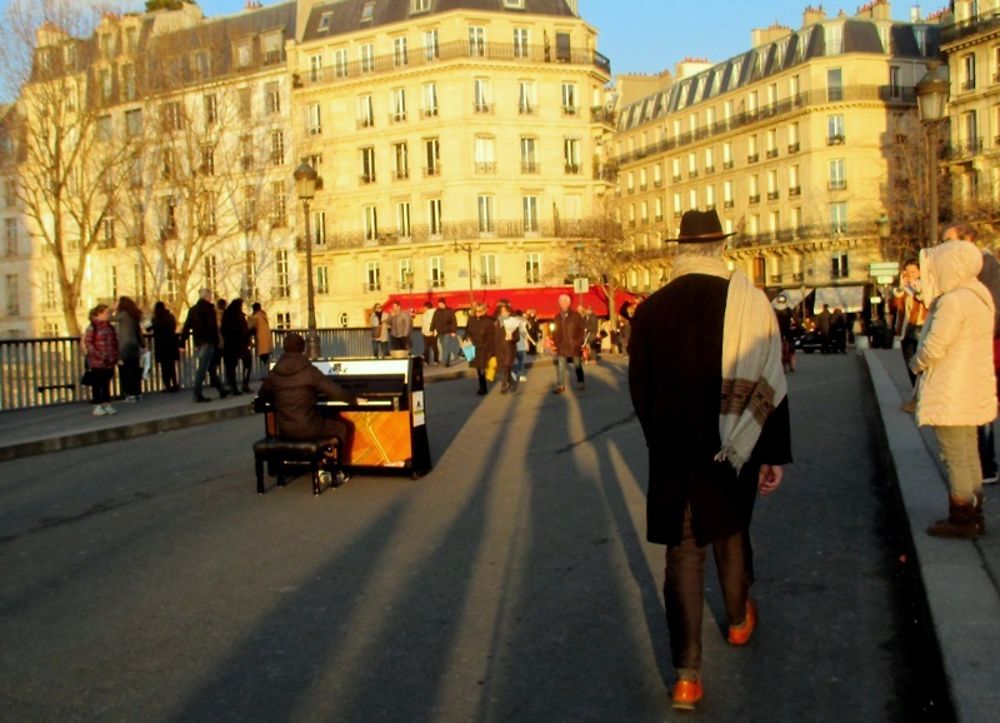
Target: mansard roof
859 36
347 16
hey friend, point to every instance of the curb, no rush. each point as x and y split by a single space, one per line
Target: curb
178 421
962 599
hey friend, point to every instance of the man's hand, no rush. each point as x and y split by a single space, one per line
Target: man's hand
769 478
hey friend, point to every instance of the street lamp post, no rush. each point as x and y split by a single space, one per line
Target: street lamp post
578 253
305 184
884 234
932 95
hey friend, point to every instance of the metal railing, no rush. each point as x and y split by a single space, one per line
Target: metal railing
454 50
981 22
45 372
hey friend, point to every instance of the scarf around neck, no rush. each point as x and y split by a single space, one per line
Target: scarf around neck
753 379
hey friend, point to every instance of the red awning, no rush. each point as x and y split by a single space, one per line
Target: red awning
544 300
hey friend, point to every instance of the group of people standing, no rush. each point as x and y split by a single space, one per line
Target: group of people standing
222 333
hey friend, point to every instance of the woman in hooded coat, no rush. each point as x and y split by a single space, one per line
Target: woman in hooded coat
956 389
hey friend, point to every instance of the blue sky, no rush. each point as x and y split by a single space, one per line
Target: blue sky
646 36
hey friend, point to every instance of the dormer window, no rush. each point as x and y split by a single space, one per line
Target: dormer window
368 11
324 22
420 6
514 4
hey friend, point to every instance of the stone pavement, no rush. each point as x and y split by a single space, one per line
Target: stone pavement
960 577
40 430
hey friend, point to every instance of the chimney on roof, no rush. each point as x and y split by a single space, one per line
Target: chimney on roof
812 15
915 13
763 36
875 10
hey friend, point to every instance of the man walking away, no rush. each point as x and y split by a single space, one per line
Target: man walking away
709 392
479 330
202 325
430 338
568 339
592 328
445 327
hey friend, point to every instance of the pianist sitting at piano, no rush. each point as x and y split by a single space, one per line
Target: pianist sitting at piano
294 386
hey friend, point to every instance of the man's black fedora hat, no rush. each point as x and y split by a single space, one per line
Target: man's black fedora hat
700 227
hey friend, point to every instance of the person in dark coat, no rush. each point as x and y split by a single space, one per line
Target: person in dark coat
166 347
715 437
505 337
445 328
131 344
202 324
235 345
480 331
534 328
568 338
294 386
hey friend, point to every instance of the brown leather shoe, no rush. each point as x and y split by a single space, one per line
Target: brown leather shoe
686 694
740 634
964 521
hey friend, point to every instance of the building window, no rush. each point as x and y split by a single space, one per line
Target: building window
482 102
569 98
400 161
430 100
533 268
484 154
727 155
133 123
279 205
571 155
838 218
969 71
313 120
794 187
368 164
728 199
272 98
486 219
371 223
172 116
434 216
527 98
435 265
322 280
839 268
340 62
403 219
420 6
489 273
432 50
366 112
373 276
529 207
315 68
399 54
10 236
367 57
709 198
319 228
678 210
13 297
477 41
398 105
833 34
277 148
528 162
835 130
838 178
895 87
970 125
834 85
432 157
10 193
521 42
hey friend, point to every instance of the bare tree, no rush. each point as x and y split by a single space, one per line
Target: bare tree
72 160
606 253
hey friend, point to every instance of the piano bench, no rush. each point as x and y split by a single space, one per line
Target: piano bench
277 452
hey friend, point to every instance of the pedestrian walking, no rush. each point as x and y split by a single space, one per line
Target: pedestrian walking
127 320
479 330
432 354
235 346
534 331
567 338
260 330
709 392
100 344
506 335
202 324
592 331
445 327
956 388
378 322
523 340
786 324
166 347
400 328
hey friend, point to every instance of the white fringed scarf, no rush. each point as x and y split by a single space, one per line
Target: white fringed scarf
753 379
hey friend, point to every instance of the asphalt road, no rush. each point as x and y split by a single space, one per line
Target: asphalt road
145 580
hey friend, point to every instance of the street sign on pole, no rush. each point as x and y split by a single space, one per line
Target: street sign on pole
581 285
884 268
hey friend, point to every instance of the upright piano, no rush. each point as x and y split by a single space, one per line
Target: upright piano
388 430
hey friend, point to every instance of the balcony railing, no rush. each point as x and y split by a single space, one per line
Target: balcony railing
837 184
836 139
791 235
794 147
754 198
964 149
772 152
795 191
486 167
455 50
753 158
773 195
530 167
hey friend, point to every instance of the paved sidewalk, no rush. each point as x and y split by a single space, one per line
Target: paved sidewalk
960 577
40 430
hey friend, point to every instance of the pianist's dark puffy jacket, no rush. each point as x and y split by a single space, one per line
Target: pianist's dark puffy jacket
293 386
